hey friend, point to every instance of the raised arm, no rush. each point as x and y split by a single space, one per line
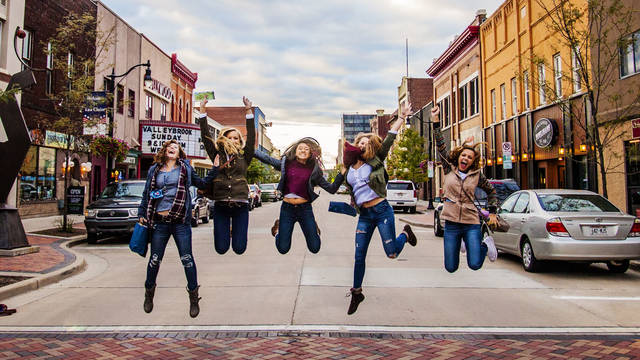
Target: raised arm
203 184
249 147
265 158
205 134
441 147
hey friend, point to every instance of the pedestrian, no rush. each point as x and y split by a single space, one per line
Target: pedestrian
462 176
230 189
166 210
301 171
367 182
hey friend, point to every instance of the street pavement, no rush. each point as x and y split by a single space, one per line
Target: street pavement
260 303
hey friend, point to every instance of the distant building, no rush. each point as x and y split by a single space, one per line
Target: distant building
234 116
182 83
418 92
353 124
380 124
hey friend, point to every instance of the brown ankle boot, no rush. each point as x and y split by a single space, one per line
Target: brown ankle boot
356 299
194 308
274 228
411 237
148 298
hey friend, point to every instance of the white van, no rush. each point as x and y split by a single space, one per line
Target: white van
402 194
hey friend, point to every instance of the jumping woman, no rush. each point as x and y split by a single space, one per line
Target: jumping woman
301 172
230 190
166 208
462 222
367 182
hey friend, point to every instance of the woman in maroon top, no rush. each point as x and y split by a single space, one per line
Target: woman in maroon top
301 172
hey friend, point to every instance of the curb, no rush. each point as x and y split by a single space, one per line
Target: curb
40 281
416 223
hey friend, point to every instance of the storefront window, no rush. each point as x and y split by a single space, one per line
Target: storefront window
632 160
38 174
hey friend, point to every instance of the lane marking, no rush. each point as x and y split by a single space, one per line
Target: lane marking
598 298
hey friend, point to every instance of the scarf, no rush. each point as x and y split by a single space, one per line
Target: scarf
177 212
351 154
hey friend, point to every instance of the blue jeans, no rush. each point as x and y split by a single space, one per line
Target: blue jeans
380 216
230 224
182 236
303 214
472 235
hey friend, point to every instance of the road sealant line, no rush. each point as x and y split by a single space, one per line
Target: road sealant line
557 331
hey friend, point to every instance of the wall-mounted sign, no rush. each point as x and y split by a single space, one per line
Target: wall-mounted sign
154 133
545 133
94 116
635 128
57 140
161 90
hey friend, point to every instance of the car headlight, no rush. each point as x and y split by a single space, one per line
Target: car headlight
90 213
133 212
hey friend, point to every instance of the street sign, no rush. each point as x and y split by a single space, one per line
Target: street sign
430 169
506 155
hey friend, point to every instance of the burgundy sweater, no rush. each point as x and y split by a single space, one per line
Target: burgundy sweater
297 178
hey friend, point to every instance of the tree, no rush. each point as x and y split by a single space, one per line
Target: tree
595 32
406 156
73 63
260 173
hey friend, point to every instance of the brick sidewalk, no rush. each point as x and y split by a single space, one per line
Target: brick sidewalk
51 257
333 346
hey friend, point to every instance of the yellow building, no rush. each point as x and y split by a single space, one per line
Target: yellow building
530 91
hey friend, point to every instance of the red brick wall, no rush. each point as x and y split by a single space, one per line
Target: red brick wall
420 92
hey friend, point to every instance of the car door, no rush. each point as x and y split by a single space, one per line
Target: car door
501 238
519 216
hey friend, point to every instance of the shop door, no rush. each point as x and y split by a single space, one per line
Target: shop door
632 161
542 178
97 181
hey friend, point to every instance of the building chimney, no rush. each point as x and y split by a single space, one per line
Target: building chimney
481 15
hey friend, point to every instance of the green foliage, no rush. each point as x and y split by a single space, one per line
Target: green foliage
260 173
104 145
405 158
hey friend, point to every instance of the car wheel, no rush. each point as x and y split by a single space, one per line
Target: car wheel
529 261
92 238
194 219
618 266
412 209
437 229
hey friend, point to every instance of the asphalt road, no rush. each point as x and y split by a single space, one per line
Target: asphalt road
262 287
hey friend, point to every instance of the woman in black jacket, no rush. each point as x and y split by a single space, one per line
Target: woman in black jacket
301 168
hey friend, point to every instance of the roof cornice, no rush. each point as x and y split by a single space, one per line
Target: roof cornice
459 44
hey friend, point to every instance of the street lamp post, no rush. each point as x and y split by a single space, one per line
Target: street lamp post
148 81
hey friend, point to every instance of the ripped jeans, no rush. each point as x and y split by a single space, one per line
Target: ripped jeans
182 236
380 216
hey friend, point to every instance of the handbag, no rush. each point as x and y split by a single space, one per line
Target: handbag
501 224
342 208
139 242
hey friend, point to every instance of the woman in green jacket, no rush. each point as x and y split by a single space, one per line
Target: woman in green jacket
367 182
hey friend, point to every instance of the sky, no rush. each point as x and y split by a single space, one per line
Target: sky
304 63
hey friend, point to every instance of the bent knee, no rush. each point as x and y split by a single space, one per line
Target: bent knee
451 268
392 256
475 266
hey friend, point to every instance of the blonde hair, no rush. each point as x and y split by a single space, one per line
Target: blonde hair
223 143
372 148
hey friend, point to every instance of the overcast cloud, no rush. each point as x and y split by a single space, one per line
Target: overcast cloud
304 63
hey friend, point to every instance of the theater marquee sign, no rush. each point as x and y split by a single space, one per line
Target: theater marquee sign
154 133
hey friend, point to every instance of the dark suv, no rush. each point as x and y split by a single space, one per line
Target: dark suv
115 212
504 188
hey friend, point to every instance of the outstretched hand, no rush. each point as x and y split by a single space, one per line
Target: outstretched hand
435 114
406 111
248 106
468 140
203 105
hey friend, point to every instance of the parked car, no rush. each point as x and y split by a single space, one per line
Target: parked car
115 212
270 192
568 225
256 193
504 188
199 207
402 194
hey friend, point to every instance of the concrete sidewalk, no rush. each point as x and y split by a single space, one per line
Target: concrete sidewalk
50 222
424 217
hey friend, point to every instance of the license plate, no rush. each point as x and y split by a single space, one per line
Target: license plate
400 195
598 230
400 203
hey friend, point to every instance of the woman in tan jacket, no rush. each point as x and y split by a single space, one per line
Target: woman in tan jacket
462 221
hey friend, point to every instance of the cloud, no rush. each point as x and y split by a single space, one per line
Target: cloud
303 62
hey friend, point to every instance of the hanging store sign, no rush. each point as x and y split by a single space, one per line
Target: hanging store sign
94 115
161 90
635 128
430 165
545 133
154 133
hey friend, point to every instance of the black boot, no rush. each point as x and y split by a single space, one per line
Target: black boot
411 237
148 298
356 299
194 309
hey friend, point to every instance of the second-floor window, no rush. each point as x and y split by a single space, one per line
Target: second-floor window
514 96
474 94
445 113
503 99
148 113
462 100
131 108
493 105
120 99
557 74
27 47
542 82
577 70
527 101
49 71
163 111
630 55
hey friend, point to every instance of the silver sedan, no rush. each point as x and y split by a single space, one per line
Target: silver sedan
570 225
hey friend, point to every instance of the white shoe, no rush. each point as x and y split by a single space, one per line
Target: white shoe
492 252
463 247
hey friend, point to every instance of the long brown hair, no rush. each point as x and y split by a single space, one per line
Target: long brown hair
372 148
454 155
223 143
161 156
314 146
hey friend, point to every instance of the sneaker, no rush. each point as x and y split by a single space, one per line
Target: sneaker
411 237
463 247
492 252
356 299
274 228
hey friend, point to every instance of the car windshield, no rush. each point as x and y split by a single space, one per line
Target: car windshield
122 190
399 186
575 203
503 190
267 187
